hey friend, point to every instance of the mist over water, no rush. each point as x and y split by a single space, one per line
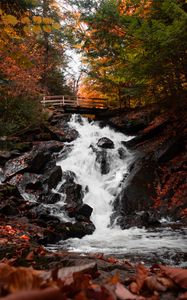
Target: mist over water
102 191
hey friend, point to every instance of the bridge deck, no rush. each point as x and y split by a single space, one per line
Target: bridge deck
76 104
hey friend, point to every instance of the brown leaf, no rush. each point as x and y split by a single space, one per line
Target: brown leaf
183 296
152 283
17 279
3 241
178 275
30 256
141 274
114 279
124 294
23 279
47 294
69 271
167 282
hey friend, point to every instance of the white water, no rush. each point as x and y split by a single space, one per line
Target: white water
102 190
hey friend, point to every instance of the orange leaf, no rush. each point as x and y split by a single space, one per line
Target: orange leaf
30 256
124 294
183 296
178 275
47 294
141 274
152 283
25 237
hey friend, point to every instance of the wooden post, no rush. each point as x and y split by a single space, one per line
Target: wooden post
44 101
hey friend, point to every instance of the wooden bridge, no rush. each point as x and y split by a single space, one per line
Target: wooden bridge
76 104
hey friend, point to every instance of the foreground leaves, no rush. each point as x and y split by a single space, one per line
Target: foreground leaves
81 283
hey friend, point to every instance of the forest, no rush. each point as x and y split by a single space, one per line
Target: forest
93 207
133 52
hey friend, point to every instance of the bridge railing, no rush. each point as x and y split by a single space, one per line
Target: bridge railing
62 100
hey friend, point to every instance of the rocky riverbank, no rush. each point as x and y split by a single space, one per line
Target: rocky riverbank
157 185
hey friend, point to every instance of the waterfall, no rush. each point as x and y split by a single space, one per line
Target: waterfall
102 190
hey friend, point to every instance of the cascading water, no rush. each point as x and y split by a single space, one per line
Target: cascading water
102 189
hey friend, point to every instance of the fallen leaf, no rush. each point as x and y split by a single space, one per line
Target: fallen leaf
68 271
167 282
114 279
141 274
30 256
178 275
3 241
47 294
25 237
124 294
17 279
154 285
183 296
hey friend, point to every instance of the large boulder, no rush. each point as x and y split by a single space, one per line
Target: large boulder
85 210
105 143
11 200
139 219
52 177
63 133
138 191
73 193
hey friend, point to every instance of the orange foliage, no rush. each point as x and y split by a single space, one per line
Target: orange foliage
22 65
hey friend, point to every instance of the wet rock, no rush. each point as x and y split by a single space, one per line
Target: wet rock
169 149
73 193
53 177
31 161
13 166
41 216
139 219
103 160
50 237
50 198
8 190
65 152
9 210
85 210
46 217
11 200
38 160
106 143
138 190
28 182
68 176
63 133
122 153
49 146
2 178
148 133
80 229
4 155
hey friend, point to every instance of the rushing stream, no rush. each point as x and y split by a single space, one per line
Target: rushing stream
163 245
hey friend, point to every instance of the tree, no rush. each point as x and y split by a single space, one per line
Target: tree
137 48
30 49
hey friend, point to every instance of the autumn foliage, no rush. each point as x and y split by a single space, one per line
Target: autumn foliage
81 283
